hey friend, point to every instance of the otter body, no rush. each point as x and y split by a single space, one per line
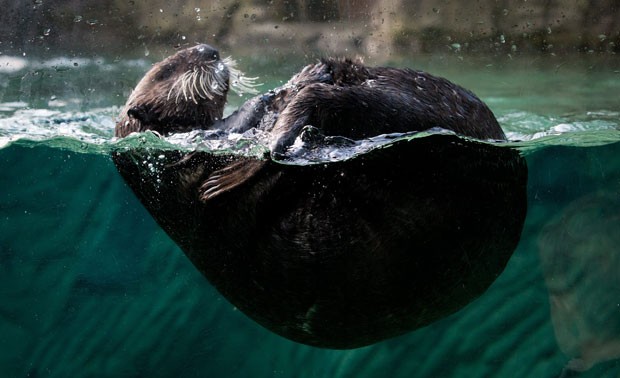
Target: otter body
345 98
338 96
336 255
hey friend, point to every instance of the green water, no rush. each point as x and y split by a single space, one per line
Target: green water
90 286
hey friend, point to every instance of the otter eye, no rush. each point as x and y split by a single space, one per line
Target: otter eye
166 72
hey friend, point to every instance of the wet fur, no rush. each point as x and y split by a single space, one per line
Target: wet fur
344 254
342 97
183 92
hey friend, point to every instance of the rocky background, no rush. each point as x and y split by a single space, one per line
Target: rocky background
306 27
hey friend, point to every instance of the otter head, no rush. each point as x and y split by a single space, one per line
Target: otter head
183 92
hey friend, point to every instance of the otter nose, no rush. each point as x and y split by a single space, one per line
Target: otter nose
208 52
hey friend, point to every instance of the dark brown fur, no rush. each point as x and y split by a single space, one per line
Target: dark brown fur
151 107
345 98
338 96
349 253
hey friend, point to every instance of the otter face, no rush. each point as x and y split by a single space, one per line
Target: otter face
183 92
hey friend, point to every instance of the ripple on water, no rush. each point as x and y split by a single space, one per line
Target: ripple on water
95 127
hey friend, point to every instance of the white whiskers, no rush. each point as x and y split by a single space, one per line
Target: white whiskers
209 81
238 81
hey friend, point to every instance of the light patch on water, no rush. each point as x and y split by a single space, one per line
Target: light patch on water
10 64
15 64
93 128
12 106
66 63
574 129
253 142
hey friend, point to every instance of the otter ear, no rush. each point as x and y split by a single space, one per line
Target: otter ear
141 113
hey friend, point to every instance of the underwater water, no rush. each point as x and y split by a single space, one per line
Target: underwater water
91 286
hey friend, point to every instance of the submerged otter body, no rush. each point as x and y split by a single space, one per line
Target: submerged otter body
343 254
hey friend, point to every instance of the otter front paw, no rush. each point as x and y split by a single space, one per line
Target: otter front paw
226 179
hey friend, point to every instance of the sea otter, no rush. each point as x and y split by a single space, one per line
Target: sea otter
339 96
183 92
341 254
